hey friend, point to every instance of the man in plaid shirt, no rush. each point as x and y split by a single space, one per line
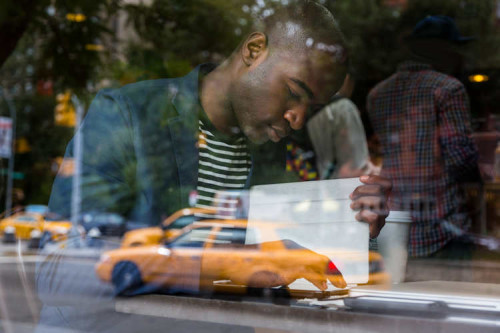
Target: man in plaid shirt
421 116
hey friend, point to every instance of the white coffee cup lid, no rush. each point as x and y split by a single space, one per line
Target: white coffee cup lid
399 216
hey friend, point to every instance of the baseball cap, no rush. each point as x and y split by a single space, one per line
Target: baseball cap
439 27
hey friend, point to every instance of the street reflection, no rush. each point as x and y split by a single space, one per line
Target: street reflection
207 252
206 165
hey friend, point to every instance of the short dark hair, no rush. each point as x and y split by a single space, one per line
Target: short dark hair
303 24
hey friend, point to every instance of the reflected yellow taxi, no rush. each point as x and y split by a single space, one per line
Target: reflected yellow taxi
209 251
24 223
171 227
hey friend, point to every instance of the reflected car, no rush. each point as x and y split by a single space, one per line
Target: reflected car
41 209
108 224
170 228
207 252
22 225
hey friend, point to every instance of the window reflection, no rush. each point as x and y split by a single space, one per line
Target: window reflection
203 159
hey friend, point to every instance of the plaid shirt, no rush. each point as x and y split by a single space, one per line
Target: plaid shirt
421 117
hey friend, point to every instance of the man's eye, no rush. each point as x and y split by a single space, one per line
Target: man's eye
292 94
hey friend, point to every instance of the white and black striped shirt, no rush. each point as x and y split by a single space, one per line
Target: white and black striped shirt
224 164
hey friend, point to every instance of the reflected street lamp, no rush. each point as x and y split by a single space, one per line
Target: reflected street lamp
10 178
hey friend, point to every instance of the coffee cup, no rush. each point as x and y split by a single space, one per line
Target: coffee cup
393 244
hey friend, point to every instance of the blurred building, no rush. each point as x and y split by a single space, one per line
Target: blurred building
123 31
498 13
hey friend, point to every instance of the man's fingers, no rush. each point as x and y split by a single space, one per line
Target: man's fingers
319 283
371 201
335 276
367 190
375 221
377 204
337 280
375 179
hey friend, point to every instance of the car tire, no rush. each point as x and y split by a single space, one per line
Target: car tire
126 278
45 239
9 238
264 279
260 292
207 290
260 284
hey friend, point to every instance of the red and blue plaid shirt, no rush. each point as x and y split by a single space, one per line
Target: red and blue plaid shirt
422 119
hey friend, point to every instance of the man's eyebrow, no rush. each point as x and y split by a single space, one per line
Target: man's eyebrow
304 87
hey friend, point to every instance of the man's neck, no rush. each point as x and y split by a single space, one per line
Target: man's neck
214 98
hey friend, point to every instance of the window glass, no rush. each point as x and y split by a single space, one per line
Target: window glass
183 221
230 237
165 164
195 238
26 219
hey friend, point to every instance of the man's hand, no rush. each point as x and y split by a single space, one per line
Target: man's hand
296 262
371 201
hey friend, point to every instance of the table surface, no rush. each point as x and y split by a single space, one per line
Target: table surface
303 316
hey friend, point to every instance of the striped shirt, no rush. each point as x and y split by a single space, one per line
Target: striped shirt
224 165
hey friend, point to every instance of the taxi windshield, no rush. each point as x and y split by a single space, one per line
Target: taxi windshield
26 219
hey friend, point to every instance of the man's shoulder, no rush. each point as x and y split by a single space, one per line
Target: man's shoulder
440 80
430 79
141 91
144 89
165 87
343 103
383 85
149 96
342 107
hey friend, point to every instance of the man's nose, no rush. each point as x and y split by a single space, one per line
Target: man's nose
296 117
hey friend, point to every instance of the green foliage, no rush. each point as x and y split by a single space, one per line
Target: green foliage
52 51
189 29
64 45
372 34
35 123
375 33
175 36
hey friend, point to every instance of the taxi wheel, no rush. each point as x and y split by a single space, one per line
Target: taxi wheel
207 290
125 277
9 238
45 239
260 292
260 284
265 279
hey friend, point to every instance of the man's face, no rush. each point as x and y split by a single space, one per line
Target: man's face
274 96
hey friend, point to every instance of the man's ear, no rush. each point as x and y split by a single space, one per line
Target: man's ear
254 47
